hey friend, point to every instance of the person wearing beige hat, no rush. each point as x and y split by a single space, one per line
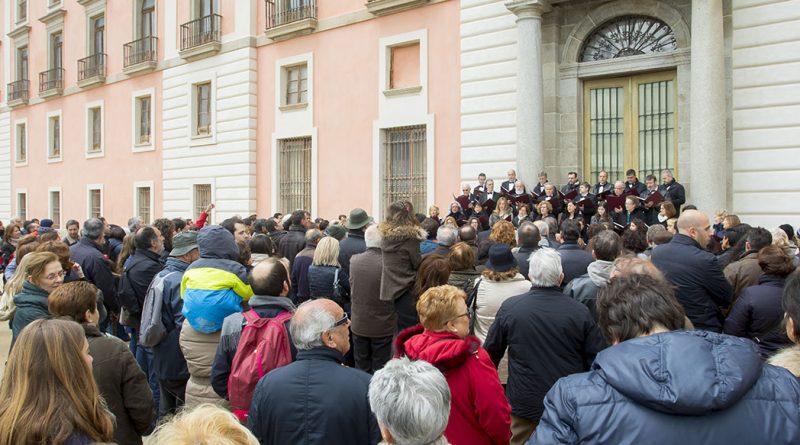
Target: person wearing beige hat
356 225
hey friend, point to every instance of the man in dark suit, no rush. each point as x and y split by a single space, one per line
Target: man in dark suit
650 210
572 183
481 187
587 208
672 190
488 194
512 179
632 182
539 188
602 183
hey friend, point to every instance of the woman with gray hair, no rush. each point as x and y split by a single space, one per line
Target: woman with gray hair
411 401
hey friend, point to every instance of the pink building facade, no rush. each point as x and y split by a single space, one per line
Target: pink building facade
154 108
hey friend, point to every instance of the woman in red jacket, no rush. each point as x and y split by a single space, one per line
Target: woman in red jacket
479 412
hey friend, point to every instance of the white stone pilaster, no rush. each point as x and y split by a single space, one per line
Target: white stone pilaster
530 99
708 173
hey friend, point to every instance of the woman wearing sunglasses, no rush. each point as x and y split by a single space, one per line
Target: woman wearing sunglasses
479 411
45 274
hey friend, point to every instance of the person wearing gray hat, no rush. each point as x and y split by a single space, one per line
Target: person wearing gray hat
356 224
168 361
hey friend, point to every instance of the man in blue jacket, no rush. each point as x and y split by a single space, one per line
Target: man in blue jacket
661 385
315 400
168 362
701 286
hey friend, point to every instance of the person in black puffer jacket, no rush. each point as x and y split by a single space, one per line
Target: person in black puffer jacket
295 239
326 278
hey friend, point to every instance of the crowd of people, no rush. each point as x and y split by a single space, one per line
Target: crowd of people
610 313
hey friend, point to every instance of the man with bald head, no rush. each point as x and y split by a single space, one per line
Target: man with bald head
512 179
701 286
271 284
315 400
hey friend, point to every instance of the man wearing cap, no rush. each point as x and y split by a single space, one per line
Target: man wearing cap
548 336
354 244
168 362
46 225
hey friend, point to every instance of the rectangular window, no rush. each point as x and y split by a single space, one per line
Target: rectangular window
95 203
22 63
22 143
22 10
56 50
295 174
205 8
143 204
405 166
54 139
202 109
55 208
202 198
147 20
404 66
98 34
95 130
143 121
296 84
22 206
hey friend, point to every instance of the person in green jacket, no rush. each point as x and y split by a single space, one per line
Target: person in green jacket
44 276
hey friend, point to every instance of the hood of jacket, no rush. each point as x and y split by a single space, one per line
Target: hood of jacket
404 232
217 242
788 358
599 271
31 295
444 350
682 372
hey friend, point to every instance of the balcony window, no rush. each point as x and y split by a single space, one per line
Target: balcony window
290 18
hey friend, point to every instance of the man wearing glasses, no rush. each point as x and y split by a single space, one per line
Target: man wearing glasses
315 400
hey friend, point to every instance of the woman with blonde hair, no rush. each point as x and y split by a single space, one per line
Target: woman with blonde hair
49 395
204 425
479 411
326 278
14 285
43 276
502 212
121 382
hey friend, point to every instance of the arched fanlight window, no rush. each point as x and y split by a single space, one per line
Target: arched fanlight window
628 36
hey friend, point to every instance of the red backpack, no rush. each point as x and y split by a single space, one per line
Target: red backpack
264 346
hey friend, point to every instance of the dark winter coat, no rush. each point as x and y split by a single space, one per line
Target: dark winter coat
743 273
758 315
321 283
232 327
302 261
97 269
352 245
143 266
122 384
168 361
675 388
401 259
371 317
574 260
701 285
292 243
626 218
548 336
479 411
314 400
523 256
31 305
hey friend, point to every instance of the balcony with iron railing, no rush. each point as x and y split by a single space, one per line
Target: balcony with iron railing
290 18
140 55
201 37
17 93
92 70
51 82
386 7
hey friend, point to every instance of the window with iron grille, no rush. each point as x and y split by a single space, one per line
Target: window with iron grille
95 118
202 198
55 208
296 84
143 123
294 160
95 203
22 143
22 206
54 145
143 204
202 104
404 166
